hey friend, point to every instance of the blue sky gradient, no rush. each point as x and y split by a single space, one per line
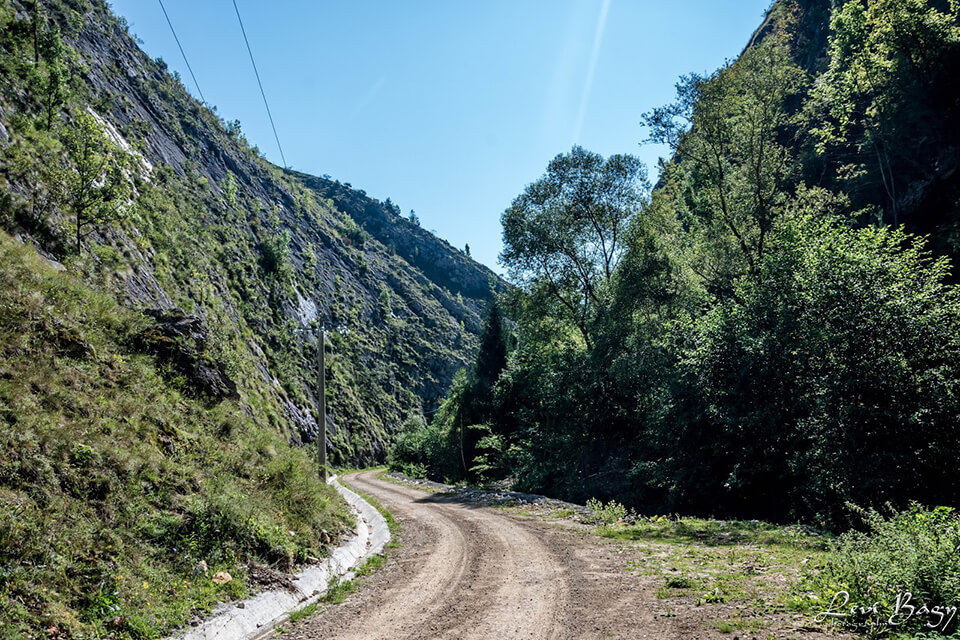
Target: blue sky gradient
447 107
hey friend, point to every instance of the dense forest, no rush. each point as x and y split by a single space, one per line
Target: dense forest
773 329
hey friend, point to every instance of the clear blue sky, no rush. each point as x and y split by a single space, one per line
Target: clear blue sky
447 107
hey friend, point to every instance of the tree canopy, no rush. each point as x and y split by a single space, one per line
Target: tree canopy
564 235
750 338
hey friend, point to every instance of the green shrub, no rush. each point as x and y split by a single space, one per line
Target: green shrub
609 513
356 235
909 558
679 582
421 450
275 254
489 453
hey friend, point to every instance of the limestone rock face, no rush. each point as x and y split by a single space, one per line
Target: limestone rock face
180 340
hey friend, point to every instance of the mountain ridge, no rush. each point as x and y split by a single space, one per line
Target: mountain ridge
210 219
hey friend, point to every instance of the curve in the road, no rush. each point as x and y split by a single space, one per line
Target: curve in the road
475 574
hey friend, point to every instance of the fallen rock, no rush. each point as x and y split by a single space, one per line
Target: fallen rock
268 578
222 577
201 568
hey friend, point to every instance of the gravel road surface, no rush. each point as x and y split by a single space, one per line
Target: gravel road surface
469 572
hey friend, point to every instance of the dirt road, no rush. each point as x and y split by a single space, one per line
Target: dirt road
472 572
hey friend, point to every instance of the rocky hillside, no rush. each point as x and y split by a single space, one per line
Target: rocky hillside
121 495
187 222
881 128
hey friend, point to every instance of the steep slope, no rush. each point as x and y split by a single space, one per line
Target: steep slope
900 157
435 258
261 255
116 487
808 24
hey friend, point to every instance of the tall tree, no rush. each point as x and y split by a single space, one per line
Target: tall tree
492 356
54 87
563 236
98 185
727 132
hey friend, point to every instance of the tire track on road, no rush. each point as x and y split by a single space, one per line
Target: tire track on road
474 574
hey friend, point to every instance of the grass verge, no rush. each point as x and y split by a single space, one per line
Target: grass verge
759 569
122 496
392 524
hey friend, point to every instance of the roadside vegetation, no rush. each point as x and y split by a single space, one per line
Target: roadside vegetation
903 568
340 589
127 505
754 566
898 577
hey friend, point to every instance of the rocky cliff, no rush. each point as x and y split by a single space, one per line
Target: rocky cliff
261 257
899 160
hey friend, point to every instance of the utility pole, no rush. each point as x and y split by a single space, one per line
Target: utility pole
322 398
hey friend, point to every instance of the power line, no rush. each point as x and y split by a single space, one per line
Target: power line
257 73
174 32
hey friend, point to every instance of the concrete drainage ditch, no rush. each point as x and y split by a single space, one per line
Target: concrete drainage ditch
251 618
